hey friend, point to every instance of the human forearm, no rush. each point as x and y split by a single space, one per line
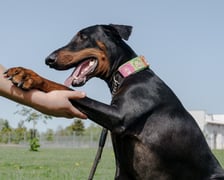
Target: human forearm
54 103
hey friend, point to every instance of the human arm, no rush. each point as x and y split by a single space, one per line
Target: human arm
54 103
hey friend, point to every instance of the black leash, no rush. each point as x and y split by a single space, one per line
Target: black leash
103 136
102 141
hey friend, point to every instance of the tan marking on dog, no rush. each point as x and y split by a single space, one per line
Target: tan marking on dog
67 58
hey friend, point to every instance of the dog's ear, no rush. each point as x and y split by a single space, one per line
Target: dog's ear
123 30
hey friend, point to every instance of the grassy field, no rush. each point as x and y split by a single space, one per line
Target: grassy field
58 164
53 164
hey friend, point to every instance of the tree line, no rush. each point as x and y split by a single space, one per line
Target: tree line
21 133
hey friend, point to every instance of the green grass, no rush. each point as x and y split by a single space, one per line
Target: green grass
220 156
55 164
58 164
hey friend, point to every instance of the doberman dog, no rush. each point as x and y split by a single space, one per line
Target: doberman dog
153 136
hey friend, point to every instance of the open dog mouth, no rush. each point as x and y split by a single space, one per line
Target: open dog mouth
82 72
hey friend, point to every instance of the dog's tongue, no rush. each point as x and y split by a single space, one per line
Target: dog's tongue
68 81
74 75
77 75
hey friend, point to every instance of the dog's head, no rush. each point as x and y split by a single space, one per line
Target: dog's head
93 52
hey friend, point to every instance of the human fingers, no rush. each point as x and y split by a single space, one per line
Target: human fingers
73 111
75 94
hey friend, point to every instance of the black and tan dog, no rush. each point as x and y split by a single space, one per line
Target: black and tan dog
154 137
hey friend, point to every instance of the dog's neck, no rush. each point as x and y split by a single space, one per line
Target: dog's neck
133 66
130 67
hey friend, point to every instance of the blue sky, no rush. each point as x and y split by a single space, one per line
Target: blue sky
182 40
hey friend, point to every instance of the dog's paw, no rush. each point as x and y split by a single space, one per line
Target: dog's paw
24 78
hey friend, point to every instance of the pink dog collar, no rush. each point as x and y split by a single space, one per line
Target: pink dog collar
134 65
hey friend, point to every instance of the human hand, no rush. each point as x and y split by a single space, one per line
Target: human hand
56 103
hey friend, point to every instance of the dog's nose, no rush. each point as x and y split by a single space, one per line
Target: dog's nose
51 59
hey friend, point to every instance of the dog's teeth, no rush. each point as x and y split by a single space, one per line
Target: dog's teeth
20 84
84 80
10 77
91 63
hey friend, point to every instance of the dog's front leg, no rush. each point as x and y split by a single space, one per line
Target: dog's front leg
105 115
27 79
121 114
